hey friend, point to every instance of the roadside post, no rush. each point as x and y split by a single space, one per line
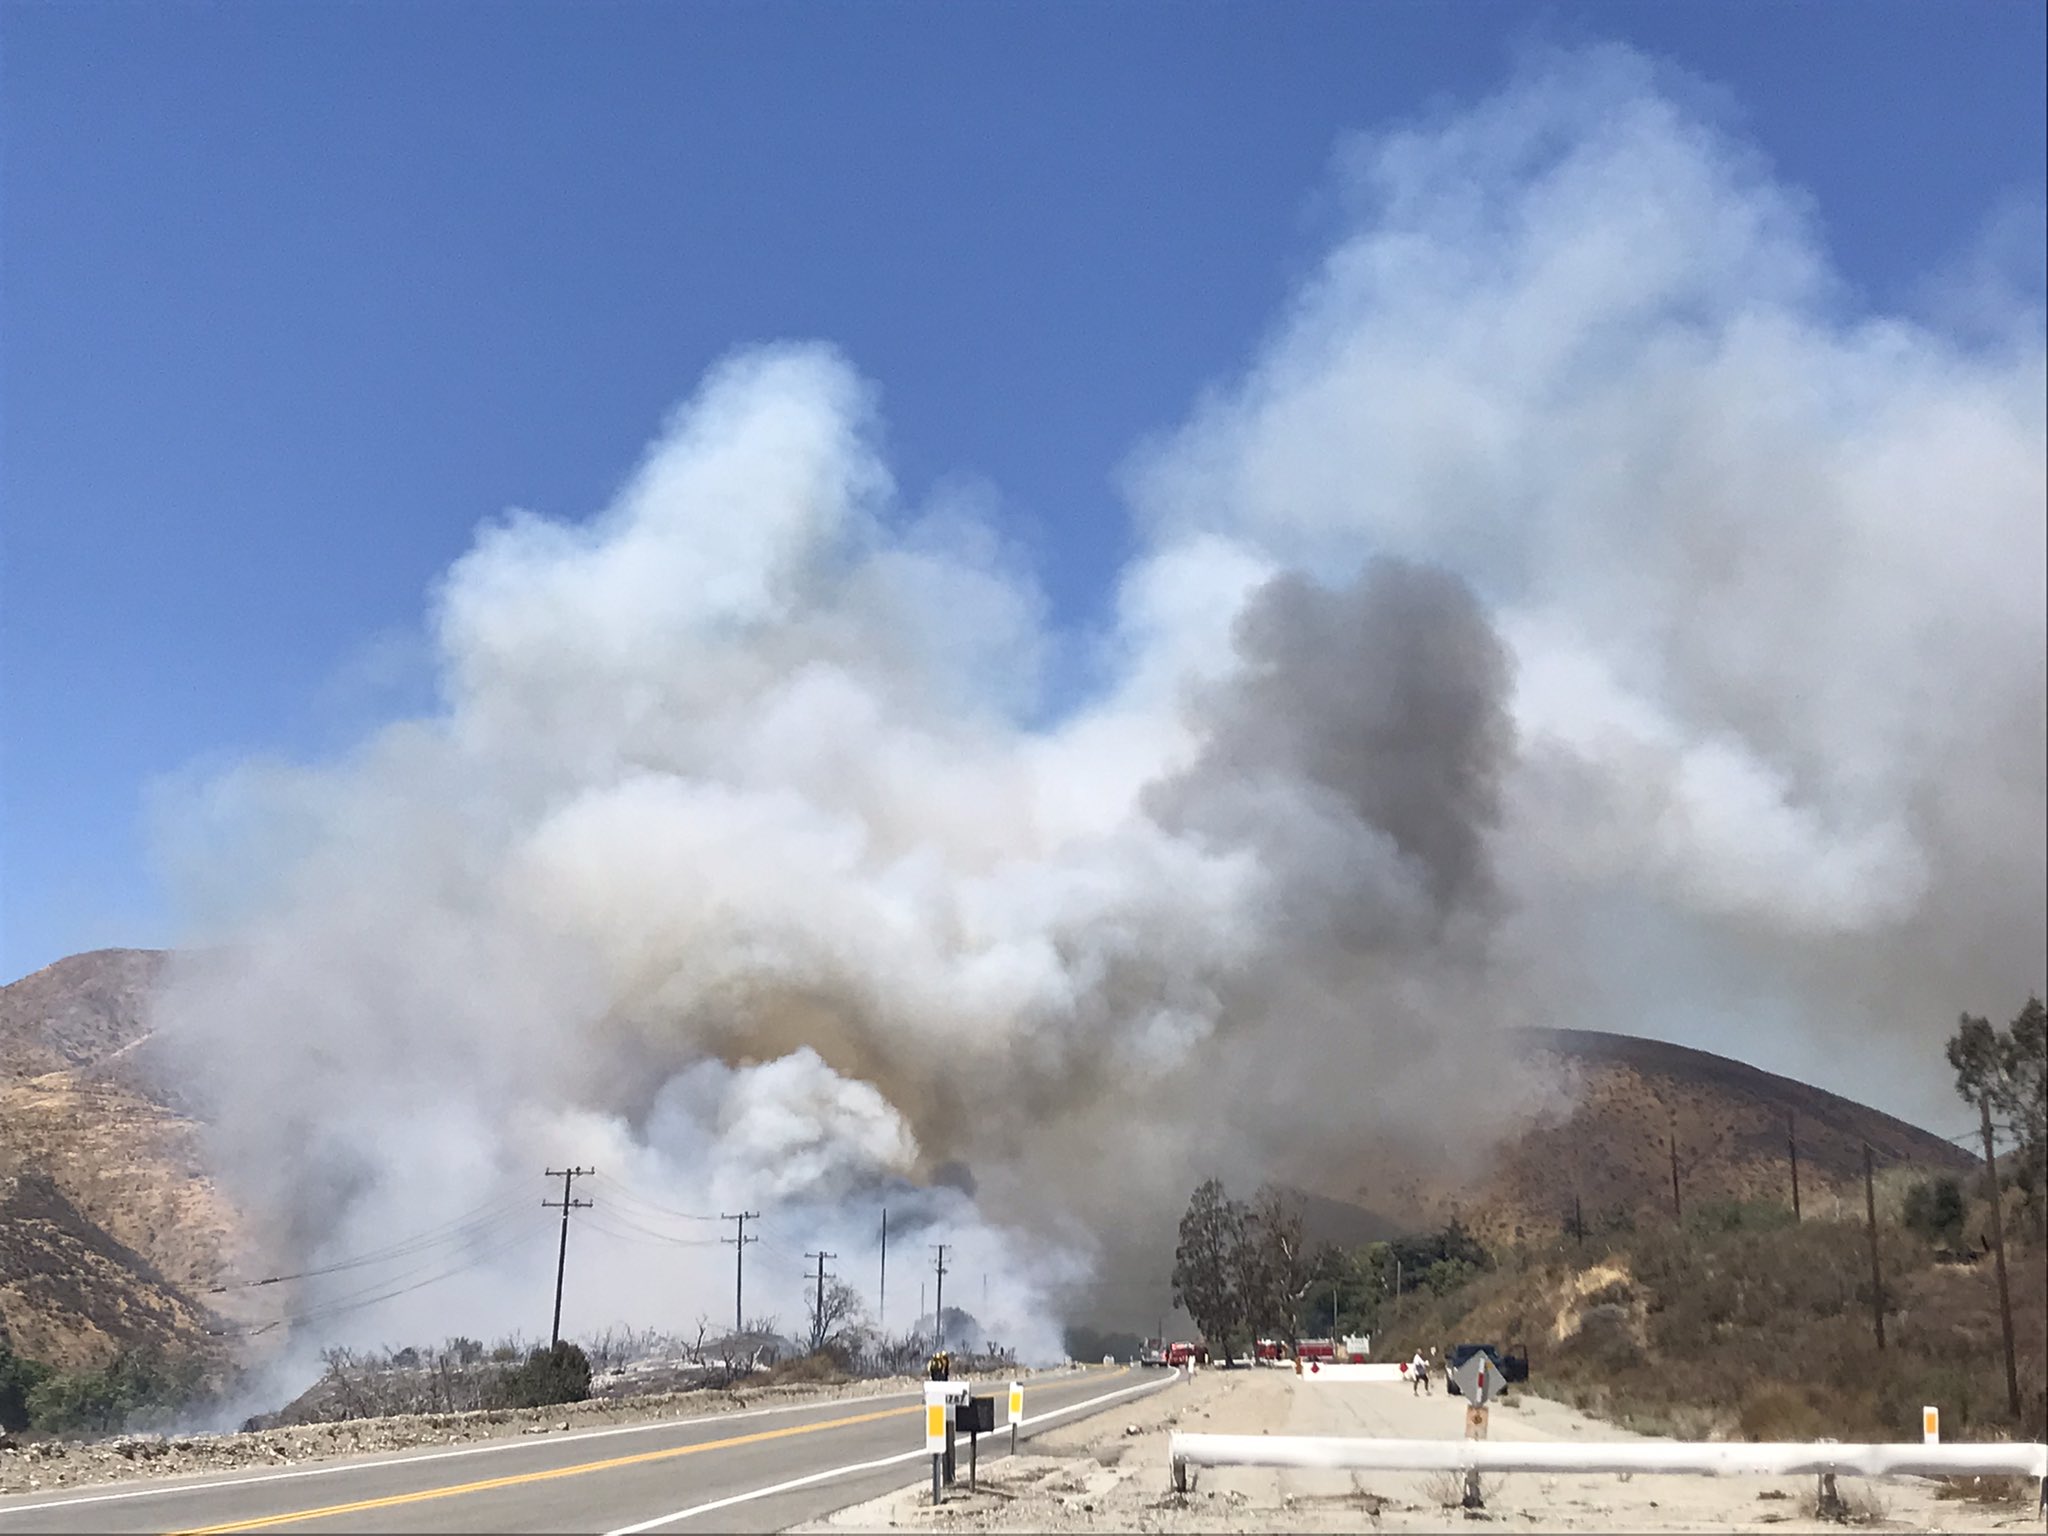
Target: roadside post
1930 1425
1016 1414
978 1415
935 1442
948 1398
1478 1380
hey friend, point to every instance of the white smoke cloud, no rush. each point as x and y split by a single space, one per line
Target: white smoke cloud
1772 572
1567 551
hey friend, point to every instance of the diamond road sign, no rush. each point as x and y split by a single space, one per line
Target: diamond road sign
1479 1379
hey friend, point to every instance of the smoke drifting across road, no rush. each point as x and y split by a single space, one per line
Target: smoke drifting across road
1573 615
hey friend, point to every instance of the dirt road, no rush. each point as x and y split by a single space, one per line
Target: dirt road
1110 1474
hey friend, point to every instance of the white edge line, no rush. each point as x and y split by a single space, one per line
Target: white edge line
862 1466
1033 1420
761 1493
510 1443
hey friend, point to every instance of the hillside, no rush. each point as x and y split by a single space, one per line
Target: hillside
81 1011
1607 1142
1740 1323
110 1229
113 1163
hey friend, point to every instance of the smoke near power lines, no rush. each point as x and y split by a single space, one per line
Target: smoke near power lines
1574 613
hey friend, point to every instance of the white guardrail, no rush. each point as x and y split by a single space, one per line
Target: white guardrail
1769 1459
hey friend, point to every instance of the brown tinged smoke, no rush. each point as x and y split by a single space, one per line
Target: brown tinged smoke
740 863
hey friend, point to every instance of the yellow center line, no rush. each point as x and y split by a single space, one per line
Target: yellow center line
263 1522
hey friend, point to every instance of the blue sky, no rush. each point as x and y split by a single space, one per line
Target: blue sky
293 297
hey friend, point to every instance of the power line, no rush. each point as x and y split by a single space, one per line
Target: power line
481 1219
636 1233
627 1192
356 1301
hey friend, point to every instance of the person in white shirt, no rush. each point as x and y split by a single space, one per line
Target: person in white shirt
1418 1375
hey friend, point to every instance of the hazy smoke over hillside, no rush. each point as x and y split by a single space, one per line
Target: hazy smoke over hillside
1569 617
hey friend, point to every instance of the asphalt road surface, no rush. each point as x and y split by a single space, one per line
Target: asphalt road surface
757 1469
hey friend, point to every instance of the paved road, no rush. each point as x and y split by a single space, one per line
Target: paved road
757 1469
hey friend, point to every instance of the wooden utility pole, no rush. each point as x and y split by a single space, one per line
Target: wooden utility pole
818 1326
1792 1146
1677 1207
1876 1276
739 1254
568 1176
939 1305
2012 1375
882 1301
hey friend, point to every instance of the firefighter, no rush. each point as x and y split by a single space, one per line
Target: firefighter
940 1367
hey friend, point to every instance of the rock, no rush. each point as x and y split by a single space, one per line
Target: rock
1132 1429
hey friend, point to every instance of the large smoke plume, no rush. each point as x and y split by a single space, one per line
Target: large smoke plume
1575 615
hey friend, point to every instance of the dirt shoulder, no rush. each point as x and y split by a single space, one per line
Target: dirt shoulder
73 1464
1110 1473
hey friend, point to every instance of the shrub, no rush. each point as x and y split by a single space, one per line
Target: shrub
19 1377
825 1367
1778 1411
136 1386
1934 1208
557 1375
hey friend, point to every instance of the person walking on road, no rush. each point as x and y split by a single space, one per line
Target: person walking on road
1418 1375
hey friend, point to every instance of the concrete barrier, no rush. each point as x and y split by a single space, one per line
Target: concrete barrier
1351 1370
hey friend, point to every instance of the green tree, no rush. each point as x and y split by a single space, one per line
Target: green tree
19 1377
1207 1267
1345 1297
2009 1070
1276 1267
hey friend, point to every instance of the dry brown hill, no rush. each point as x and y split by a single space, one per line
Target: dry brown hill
78 1012
87 1128
110 1229
1608 1142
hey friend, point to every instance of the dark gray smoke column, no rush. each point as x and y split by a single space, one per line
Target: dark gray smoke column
1379 709
1356 756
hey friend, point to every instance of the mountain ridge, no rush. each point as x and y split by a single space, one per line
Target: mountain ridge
109 1158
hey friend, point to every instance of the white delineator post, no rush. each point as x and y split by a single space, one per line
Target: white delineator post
1930 1425
940 1399
1016 1414
935 1443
